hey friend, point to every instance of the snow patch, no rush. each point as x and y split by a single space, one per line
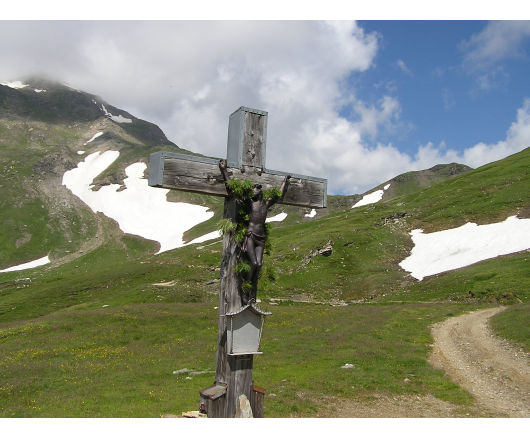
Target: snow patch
96 135
458 247
120 119
80 152
371 198
278 218
37 90
209 236
14 84
117 119
312 213
33 264
139 209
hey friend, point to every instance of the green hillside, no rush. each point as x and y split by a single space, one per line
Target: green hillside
410 182
369 242
40 134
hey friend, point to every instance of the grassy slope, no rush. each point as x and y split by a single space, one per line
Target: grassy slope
485 195
514 324
410 182
31 225
118 361
64 354
38 215
40 134
368 247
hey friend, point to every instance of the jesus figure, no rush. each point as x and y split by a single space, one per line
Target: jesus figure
254 243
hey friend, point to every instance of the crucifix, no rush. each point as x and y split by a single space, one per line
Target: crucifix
240 320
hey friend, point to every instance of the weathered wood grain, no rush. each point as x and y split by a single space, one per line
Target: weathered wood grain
239 382
233 371
175 171
247 136
217 408
257 401
229 297
213 399
254 140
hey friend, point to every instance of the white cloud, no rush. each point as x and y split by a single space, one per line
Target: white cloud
498 41
403 67
356 168
448 99
484 53
372 118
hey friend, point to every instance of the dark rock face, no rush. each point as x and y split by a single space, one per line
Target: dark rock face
394 218
61 104
326 251
58 104
450 169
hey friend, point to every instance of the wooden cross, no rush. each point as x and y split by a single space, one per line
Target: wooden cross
247 131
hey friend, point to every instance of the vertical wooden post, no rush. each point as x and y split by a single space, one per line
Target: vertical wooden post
233 371
228 291
257 401
246 146
239 381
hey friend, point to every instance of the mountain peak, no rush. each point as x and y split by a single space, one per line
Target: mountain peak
45 100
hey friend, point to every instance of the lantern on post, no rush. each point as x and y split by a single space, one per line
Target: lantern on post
244 329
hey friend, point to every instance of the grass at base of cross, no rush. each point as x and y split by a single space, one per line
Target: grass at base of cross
119 361
307 345
102 335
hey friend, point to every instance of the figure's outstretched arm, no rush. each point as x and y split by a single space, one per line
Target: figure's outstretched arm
226 177
283 189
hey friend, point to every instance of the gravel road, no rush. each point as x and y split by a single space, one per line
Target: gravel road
495 373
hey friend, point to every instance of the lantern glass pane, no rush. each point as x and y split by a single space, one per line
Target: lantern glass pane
246 327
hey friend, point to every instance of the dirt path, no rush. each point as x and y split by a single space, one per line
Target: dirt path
396 406
496 374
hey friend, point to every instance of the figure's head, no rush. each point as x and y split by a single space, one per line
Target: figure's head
257 190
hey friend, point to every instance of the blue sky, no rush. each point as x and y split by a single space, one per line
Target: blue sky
443 100
356 102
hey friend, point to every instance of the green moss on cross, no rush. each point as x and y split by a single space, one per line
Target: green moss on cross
243 190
